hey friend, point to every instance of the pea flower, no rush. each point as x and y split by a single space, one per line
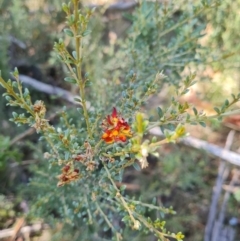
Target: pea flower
115 128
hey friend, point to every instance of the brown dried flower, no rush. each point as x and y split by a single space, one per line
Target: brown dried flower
39 108
91 165
68 175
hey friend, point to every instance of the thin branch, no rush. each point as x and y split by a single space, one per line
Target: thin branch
129 186
163 236
118 235
104 216
122 200
21 136
88 210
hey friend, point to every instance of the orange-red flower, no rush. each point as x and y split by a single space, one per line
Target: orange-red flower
115 128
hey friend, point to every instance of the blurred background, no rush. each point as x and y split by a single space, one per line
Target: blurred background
177 37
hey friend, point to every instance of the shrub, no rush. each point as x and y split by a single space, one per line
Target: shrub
90 153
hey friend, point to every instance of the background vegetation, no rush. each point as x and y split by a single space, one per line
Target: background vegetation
178 37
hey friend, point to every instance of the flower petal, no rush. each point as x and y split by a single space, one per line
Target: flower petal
114 112
115 128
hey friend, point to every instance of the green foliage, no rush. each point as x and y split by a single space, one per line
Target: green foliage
26 32
4 151
89 154
189 173
8 155
224 34
237 195
165 36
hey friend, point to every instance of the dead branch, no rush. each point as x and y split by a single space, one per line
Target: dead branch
17 228
119 6
16 41
230 188
214 228
28 132
217 232
48 89
24 230
217 192
23 163
215 150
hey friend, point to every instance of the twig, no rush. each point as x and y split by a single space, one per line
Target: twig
163 236
122 200
215 150
151 206
28 132
88 210
104 216
118 235
129 186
